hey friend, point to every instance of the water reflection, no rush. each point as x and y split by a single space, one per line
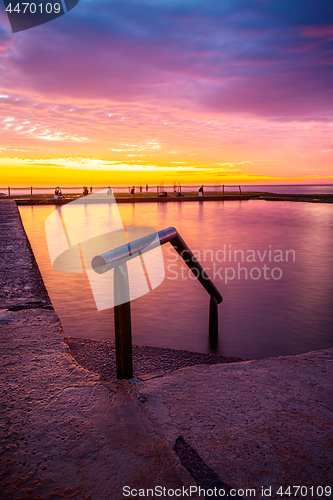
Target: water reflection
258 317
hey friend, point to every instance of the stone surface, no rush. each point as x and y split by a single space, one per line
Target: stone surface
257 423
148 362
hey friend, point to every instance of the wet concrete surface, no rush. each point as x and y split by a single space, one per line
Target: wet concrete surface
67 432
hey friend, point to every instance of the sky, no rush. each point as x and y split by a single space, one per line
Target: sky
152 91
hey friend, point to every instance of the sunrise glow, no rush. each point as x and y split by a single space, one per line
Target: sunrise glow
168 92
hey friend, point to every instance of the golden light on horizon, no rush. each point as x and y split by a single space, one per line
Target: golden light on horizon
49 172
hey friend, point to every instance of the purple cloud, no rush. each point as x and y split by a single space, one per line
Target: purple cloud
265 58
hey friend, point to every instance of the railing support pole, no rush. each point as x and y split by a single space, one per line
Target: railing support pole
116 259
213 320
122 323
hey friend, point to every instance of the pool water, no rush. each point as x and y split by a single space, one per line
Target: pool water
271 261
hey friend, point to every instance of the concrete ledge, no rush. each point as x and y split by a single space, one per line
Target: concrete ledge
135 199
257 423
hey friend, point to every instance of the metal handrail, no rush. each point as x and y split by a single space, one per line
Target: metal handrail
118 256
117 259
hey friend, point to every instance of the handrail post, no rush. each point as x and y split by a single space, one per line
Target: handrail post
213 320
116 259
122 323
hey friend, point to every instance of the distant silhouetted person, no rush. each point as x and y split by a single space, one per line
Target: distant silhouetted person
85 191
90 189
140 189
146 188
132 190
109 191
58 193
201 190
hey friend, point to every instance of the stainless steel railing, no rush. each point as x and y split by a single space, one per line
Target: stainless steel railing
117 258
